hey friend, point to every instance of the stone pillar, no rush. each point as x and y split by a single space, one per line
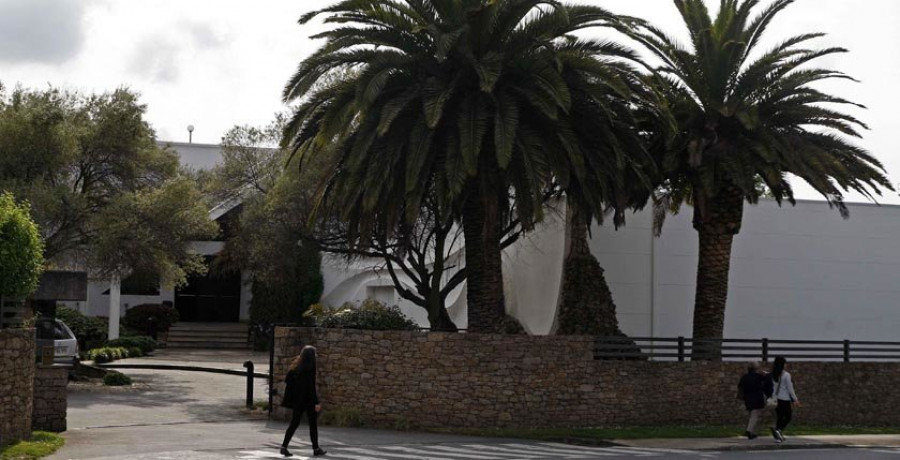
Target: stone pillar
50 403
16 384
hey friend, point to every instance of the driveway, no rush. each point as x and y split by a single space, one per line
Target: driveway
166 397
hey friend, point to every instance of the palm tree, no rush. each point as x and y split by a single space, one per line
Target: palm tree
743 118
475 101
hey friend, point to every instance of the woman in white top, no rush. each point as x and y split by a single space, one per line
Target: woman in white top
784 392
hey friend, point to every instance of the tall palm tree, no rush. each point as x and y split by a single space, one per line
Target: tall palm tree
485 103
745 117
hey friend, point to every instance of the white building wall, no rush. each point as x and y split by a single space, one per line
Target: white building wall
797 272
97 303
532 269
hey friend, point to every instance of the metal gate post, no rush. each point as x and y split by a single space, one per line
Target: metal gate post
249 366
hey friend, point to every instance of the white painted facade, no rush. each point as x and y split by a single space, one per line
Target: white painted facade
797 272
98 298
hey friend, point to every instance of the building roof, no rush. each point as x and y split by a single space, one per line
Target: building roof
196 156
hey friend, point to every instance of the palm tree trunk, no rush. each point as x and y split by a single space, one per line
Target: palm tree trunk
716 220
587 305
484 281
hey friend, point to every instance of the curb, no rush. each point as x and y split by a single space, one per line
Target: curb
766 447
587 442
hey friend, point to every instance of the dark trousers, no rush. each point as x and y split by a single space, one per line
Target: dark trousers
313 417
783 414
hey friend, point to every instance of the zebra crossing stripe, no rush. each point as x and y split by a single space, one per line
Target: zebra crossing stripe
345 456
258 454
480 451
391 454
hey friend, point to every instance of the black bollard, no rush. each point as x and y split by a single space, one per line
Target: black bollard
249 366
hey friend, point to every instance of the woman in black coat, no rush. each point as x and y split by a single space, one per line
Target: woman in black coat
300 395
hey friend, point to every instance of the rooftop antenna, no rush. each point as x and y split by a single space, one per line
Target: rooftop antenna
190 134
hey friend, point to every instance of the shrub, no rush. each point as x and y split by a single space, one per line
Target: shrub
116 379
107 354
99 355
144 343
150 318
370 315
135 352
21 249
91 331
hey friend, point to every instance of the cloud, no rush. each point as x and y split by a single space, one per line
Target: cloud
160 57
204 36
155 58
46 31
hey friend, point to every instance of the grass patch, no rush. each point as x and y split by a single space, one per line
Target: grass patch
606 434
260 409
41 444
344 417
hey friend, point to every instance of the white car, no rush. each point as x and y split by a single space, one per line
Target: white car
54 333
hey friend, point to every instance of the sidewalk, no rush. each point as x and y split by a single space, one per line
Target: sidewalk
765 442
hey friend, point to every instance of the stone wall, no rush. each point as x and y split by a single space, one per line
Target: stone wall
481 380
50 404
16 382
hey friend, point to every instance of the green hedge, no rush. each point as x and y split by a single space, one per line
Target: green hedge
150 318
107 354
21 249
370 315
91 331
143 343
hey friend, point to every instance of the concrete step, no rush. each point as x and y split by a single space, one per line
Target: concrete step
199 333
208 335
208 339
216 345
210 326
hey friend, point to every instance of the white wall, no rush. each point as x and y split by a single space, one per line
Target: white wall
797 272
532 269
98 303
354 282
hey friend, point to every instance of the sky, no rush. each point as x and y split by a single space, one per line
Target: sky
215 64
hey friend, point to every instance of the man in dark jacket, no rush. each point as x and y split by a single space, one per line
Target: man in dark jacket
754 388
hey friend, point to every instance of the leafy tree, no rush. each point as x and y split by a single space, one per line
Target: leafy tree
286 275
482 105
105 196
150 231
276 212
21 249
742 117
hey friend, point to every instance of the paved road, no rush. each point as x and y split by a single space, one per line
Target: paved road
441 451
